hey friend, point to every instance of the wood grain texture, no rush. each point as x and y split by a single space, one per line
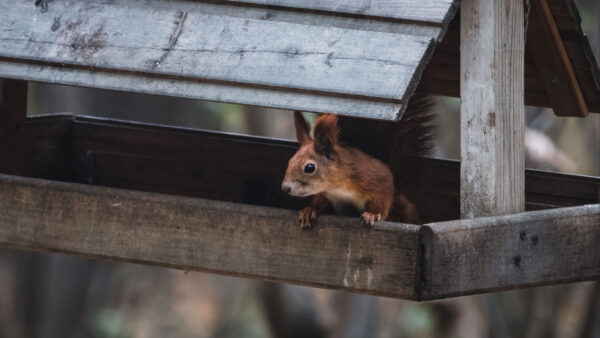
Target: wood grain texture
190 49
431 11
492 108
13 110
506 252
229 167
220 237
434 261
551 59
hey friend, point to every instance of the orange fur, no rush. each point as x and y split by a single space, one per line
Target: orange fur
343 176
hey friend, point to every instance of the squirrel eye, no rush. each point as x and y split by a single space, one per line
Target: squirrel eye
309 168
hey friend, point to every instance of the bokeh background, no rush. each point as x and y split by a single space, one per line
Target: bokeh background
57 296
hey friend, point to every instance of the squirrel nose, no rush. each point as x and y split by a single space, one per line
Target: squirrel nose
286 188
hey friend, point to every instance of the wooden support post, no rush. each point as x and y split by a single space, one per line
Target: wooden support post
13 110
492 108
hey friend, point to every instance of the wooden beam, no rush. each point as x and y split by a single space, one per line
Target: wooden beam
396 260
555 69
220 237
13 110
492 108
506 252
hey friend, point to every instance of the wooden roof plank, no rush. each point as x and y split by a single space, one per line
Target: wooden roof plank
197 89
556 72
433 11
193 49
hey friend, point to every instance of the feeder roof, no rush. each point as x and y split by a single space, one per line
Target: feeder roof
360 58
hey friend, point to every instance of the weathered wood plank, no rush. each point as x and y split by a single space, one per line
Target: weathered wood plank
555 69
492 108
231 167
431 11
177 48
13 110
195 234
200 90
514 251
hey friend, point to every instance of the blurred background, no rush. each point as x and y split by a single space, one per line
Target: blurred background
57 296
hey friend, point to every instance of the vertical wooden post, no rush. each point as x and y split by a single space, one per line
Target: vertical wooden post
492 108
13 110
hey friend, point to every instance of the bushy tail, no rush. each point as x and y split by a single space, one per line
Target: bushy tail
412 139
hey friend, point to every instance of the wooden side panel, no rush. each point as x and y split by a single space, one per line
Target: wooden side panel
231 167
182 48
520 250
195 234
48 147
13 110
492 108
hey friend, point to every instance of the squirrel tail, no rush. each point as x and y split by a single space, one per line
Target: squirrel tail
412 139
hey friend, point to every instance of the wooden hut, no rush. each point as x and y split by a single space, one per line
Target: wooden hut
207 201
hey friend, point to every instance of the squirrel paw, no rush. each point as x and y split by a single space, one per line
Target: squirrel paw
369 219
307 217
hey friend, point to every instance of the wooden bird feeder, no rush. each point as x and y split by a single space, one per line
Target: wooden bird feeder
209 201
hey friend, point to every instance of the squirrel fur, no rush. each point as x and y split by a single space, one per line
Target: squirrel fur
350 179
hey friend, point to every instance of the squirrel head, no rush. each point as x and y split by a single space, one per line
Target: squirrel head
311 169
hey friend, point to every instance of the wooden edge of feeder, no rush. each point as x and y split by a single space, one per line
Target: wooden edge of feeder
195 234
406 261
513 251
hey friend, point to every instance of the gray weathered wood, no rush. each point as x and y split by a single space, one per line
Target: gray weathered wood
185 49
507 252
434 11
195 234
492 108
434 261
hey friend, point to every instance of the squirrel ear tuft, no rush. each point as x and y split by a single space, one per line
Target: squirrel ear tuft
302 128
326 134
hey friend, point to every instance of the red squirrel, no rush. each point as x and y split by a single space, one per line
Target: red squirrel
348 177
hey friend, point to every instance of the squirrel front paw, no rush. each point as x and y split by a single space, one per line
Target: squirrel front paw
307 217
369 219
